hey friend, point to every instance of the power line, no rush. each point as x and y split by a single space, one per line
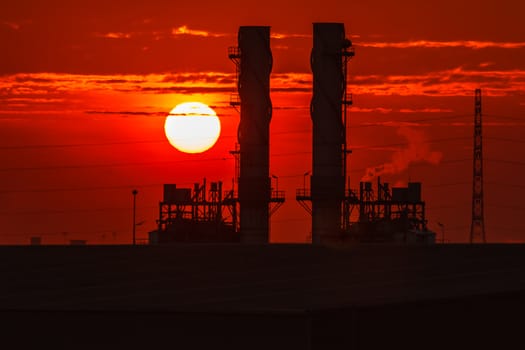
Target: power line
59 167
79 189
66 233
504 184
517 118
113 165
505 139
71 145
505 206
131 142
69 211
455 207
119 143
448 184
446 139
372 124
508 229
511 162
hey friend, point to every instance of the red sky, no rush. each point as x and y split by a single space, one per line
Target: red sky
84 89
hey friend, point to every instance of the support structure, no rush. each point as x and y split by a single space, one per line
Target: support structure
134 193
328 61
388 214
253 59
477 228
198 215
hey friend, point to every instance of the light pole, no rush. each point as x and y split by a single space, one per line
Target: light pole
276 184
442 232
304 179
134 193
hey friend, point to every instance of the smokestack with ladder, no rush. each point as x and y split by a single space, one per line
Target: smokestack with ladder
253 57
328 62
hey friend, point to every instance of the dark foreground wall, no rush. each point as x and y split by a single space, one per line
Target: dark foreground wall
262 297
488 321
483 322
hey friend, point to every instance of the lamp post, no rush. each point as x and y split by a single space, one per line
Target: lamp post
442 232
276 184
304 179
134 193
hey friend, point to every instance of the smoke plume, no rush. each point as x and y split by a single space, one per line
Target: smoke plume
417 150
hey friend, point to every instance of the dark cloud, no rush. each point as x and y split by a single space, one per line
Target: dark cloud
128 113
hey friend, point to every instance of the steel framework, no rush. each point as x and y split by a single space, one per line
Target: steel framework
198 215
477 228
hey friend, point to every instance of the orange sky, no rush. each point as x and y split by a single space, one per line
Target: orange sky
84 90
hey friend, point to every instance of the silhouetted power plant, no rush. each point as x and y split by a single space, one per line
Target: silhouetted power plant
198 215
248 212
394 214
338 212
253 59
329 56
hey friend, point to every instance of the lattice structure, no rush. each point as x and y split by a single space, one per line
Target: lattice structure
198 215
477 228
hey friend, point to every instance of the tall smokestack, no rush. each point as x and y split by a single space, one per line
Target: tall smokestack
327 181
254 133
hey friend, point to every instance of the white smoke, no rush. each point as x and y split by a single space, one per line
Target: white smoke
417 150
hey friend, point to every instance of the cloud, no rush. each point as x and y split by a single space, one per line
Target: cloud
208 77
74 88
12 25
279 36
114 35
486 64
417 150
395 123
451 82
470 44
98 94
128 113
426 110
184 30
485 124
28 101
457 81
371 110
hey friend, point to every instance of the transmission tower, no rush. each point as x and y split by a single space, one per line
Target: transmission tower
477 228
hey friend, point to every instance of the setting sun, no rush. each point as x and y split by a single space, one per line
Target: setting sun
192 127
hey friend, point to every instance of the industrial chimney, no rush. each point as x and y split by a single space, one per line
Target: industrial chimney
328 62
253 57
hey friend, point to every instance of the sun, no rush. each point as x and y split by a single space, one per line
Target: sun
192 127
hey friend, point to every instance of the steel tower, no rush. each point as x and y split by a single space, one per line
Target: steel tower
477 228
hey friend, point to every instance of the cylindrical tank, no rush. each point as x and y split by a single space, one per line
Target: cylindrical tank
254 133
327 181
